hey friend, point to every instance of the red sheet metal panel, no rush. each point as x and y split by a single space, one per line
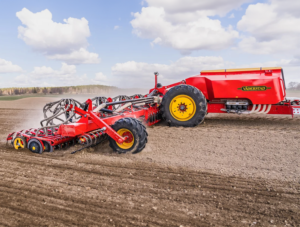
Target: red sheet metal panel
200 83
264 86
259 91
73 129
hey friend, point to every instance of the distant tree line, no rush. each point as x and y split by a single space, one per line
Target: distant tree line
294 86
56 90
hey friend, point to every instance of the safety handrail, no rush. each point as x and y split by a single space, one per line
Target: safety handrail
282 86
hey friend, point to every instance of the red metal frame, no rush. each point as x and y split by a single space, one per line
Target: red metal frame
90 121
265 87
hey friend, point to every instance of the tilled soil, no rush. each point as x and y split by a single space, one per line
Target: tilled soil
230 171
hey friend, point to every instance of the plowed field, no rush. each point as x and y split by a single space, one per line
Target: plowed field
230 171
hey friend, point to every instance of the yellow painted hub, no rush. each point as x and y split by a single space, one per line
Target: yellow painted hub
129 141
18 143
182 107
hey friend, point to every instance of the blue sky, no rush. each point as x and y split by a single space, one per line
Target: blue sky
124 42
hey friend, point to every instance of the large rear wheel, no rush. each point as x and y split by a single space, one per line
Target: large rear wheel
135 133
184 105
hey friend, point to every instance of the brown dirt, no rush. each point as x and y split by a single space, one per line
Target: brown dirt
27 103
230 171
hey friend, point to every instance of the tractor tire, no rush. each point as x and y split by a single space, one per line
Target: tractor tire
47 146
35 146
184 105
136 132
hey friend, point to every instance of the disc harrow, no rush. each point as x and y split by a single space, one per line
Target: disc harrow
68 122
91 139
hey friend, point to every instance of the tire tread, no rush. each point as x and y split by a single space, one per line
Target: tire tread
137 128
199 99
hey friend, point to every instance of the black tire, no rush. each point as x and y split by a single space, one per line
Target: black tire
47 146
35 146
138 131
198 98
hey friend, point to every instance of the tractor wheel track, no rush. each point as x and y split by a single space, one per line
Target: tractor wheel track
55 193
115 192
98 187
148 174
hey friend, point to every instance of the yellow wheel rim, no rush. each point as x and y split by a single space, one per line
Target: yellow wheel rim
129 138
182 107
18 143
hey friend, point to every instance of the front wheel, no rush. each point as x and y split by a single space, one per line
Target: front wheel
135 133
19 142
184 105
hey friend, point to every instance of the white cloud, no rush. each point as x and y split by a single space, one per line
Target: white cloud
140 74
209 7
47 76
61 41
272 27
21 79
42 72
81 56
8 67
186 25
24 80
66 73
100 78
116 27
185 32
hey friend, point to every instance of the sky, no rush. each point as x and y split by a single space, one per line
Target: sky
122 43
